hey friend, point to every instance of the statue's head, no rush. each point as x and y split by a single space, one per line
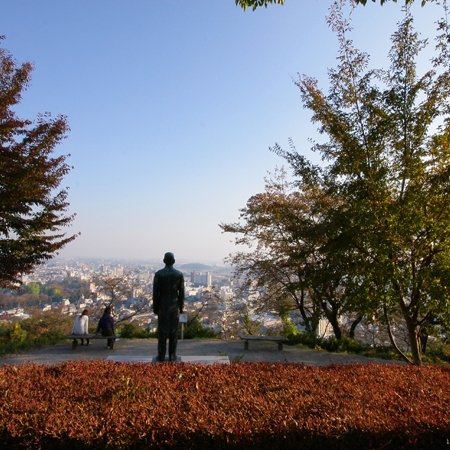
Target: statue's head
169 259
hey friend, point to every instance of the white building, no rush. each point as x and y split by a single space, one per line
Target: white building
201 279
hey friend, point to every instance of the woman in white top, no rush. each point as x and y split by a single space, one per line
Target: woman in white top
81 325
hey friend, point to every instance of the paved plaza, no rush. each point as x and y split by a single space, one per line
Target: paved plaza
189 350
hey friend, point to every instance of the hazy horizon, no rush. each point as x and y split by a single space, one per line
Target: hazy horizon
155 260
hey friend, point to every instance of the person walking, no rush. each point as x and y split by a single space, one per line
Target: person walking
81 325
168 303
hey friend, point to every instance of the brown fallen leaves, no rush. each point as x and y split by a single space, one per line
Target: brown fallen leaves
101 404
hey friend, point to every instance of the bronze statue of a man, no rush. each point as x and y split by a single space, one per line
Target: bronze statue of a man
168 303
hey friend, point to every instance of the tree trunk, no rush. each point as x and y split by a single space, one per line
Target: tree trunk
309 321
336 328
423 336
414 343
355 323
391 336
410 318
332 316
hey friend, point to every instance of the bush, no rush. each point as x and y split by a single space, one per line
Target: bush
343 345
17 335
43 328
307 339
437 353
195 330
47 328
289 329
116 406
132 330
5 330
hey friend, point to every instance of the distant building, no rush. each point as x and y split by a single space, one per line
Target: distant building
146 276
226 293
191 292
200 279
118 272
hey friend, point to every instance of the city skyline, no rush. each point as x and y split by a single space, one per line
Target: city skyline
173 106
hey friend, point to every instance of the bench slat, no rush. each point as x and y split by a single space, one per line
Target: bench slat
91 336
250 337
75 338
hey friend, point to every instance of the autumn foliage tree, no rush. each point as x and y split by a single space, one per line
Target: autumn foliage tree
284 236
116 290
32 209
266 226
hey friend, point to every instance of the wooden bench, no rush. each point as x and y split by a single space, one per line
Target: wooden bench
249 337
75 338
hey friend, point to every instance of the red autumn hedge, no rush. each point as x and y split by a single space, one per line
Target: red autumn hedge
91 405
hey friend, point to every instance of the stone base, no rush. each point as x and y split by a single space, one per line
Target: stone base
182 359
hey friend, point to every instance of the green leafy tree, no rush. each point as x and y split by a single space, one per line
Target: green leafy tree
34 288
244 4
32 210
386 169
54 291
253 4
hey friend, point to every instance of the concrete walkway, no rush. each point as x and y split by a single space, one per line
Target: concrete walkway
233 349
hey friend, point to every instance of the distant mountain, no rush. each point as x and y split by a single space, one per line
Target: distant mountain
196 266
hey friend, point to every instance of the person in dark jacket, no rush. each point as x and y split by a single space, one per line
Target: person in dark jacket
106 326
168 303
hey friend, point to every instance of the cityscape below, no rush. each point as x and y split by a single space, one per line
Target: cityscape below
215 299
213 295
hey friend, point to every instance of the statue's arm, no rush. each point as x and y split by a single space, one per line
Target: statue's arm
155 305
181 294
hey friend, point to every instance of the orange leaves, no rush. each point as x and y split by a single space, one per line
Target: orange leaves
117 405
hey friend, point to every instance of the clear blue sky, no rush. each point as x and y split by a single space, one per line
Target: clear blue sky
173 105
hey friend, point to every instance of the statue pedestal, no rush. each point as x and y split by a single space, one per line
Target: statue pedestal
182 359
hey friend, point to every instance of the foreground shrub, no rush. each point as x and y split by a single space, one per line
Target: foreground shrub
133 330
343 345
17 335
196 330
47 328
91 405
438 352
42 329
